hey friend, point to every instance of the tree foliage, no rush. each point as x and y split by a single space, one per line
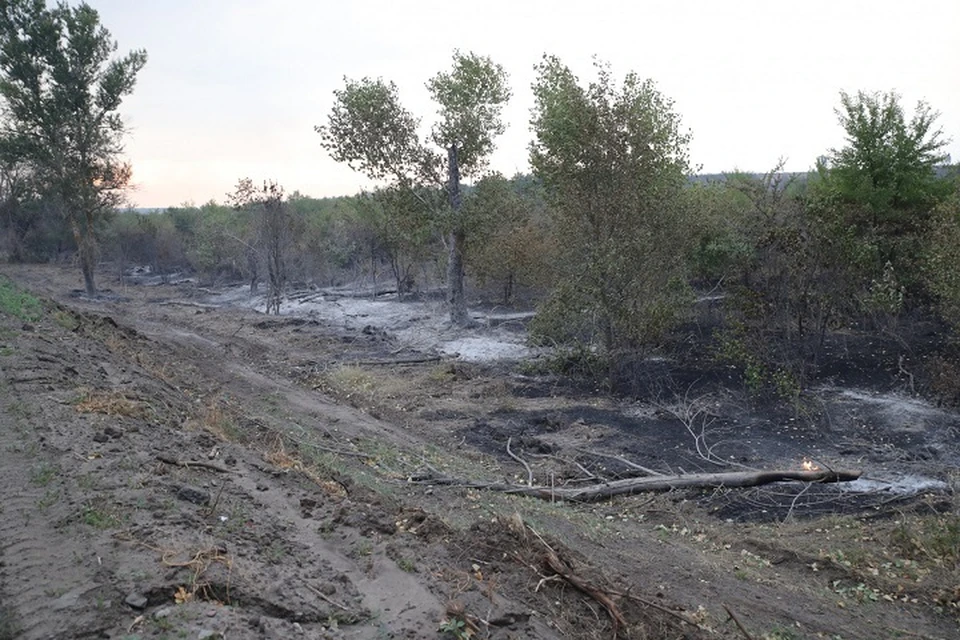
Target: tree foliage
62 87
877 193
614 162
511 236
887 165
370 131
471 97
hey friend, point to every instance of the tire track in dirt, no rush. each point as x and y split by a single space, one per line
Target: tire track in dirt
35 537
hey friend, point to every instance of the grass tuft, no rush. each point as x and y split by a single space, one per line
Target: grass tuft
18 303
111 403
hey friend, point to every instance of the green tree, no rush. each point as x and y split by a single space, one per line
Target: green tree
614 163
370 131
274 233
396 230
221 243
61 90
511 237
943 259
879 190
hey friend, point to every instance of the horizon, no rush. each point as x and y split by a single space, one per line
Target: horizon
233 89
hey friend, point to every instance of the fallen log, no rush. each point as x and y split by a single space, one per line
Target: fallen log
188 303
400 361
627 486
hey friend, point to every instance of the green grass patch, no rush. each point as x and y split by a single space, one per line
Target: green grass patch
9 629
16 302
99 516
933 538
43 475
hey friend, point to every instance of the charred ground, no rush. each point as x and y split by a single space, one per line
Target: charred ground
176 465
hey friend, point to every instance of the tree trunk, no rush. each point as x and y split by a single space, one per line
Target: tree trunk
86 250
253 264
455 297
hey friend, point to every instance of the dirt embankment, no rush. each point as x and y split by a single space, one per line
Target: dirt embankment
172 468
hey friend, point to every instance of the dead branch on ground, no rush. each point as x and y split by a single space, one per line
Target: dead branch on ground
521 461
736 621
564 571
696 419
326 598
622 460
558 567
188 303
399 361
628 486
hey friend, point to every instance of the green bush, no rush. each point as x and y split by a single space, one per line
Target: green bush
18 303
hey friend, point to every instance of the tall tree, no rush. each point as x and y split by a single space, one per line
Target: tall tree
880 189
614 162
370 131
61 88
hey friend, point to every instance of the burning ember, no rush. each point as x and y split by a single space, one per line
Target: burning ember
809 466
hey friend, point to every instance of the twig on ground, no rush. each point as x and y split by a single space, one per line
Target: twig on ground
622 460
588 475
521 461
793 503
188 303
326 598
658 607
398 361
339 452
213 507
736 621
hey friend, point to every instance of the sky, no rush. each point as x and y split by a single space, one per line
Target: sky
234 88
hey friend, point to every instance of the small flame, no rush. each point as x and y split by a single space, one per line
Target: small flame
809 466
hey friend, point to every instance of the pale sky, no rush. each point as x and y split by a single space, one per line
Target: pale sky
233 88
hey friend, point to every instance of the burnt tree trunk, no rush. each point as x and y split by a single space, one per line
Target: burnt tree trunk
455 297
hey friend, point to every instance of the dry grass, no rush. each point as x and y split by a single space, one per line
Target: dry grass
278 455
110 403
199 564
216 417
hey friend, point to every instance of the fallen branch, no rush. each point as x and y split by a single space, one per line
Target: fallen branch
552 561
627 486
659 607
192 463
326 598
521 461
398 361
736 621
588 475
622 460
188 303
